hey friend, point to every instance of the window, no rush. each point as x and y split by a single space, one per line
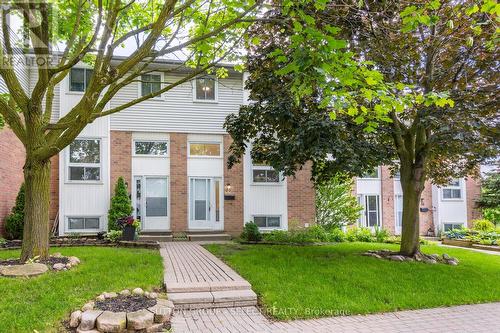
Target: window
264 174
151 148
451 226
267 221
371 210
84 160
79 79
371 174
83 223
205 89
453 190
150 83
204 149
399 210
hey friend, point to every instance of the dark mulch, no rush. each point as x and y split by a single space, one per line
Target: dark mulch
51 261
125 303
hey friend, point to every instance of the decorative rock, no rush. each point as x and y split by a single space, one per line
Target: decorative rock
75 318
139 320
452 262
429 261
153 295
74 260
68 265
155 328
446 256
396 258
162 312
59 267
78 330
23 270
110 295
57 255
125 292
88 319
101 297
434 256
88 306
112 321
409 259
146 294
138 291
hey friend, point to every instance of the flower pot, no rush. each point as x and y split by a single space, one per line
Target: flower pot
128 233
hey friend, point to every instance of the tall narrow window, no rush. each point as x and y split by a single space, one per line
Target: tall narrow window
85 160
79 79
372 210
399 210
205 89
150 83
217 184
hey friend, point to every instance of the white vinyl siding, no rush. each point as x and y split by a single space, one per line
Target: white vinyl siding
56 103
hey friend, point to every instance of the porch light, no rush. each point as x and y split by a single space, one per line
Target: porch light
228 189
205 88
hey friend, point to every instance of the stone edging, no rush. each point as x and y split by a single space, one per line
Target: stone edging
153 319
127 244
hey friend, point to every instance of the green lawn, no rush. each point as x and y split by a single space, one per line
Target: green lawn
40 303
314 281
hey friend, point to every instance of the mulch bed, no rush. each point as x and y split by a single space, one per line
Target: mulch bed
125 303
51 261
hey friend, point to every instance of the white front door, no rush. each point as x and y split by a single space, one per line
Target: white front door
205 198
151 202
371 211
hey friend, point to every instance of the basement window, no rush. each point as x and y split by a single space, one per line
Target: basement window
83 223
267 221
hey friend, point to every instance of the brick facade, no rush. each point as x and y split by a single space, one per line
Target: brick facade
121 158
233 209
426 218
387 199
472 191
301 197
11 172
178 182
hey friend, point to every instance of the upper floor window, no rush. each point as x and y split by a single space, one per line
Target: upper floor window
205 89
263 173
372 174
204 149
151 148
79 78
453 190
150 83
85 160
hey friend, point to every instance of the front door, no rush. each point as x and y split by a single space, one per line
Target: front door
151 202
205 197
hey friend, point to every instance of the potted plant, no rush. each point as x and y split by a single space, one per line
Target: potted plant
130 227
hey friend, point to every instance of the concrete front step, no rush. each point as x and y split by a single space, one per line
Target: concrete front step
208 237
155 238
184 287
213 299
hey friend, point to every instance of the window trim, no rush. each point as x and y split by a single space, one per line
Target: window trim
372 178
69 164
216 87
68 230
77 92
205 142
453 187
149 155
160 97
267 216
265 167
362 221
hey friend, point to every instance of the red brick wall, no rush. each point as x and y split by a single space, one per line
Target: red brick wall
426 202
301 197
178 182
121 158
387 201
11 171
54 188
233 209
472 191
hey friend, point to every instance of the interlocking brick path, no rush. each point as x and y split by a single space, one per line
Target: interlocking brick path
477 318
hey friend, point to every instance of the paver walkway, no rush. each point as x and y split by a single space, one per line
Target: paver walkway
480 318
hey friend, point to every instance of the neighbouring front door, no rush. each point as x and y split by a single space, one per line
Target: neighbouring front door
205 197
151 202
371 211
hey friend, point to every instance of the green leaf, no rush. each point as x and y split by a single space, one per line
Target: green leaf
359 120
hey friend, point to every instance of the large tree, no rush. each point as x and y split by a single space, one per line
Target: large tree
430 110
201 33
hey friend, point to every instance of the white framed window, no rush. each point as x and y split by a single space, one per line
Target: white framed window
452 191
84 160
205 149
150 83
264 174
398 200
151 148
267 221
83 223
205 89
79 78
370 216
374 174
452 225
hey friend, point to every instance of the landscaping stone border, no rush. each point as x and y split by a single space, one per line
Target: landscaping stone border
419 257
71 242
89 319
470 244
36 267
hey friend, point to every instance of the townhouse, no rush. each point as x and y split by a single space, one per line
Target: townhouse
172 152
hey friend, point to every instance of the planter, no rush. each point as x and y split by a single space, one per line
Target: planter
458 242
486 247
128 233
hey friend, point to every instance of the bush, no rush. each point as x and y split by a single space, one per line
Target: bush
121 205
114 236
381 235
493 215
3 241
277 236
251 233
337 235
14 222
483 225
364 235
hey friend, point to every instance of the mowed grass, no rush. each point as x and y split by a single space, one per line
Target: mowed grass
313 281
40 303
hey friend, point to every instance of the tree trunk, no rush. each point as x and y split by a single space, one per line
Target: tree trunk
412 185
36 210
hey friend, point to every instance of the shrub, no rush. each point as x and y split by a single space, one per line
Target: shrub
364 235
352 234
318 233
483 225
251 233
337 235
381 235
121 205
114 236
493 215
3 241
393 240
14 222
277 236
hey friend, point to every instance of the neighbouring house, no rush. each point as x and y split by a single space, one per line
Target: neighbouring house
441 208
171 150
